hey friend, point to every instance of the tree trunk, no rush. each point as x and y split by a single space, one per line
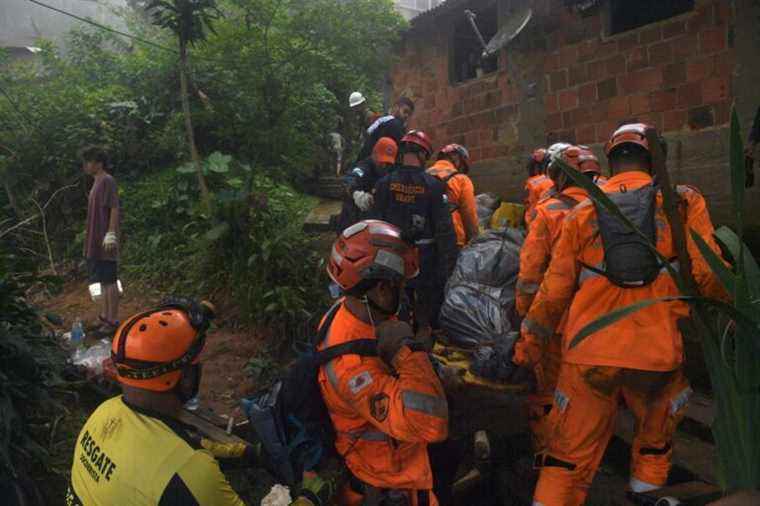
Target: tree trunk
205 196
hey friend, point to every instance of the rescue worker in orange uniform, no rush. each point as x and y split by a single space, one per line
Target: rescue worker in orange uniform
385 409
598 266
534 259
537 183
453 167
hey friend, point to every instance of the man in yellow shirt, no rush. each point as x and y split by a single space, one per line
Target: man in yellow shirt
133 450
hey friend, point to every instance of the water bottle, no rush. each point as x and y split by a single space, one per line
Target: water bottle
77 333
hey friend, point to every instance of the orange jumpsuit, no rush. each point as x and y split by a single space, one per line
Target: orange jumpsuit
383 421
535 188
461 194
637 358
534 259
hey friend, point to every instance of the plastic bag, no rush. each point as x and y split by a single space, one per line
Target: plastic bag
92 358
486 203
480 295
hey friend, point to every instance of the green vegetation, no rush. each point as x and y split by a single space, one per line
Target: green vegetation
249 104
729 332
31 364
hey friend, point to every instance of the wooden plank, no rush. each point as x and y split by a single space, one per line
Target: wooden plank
208 429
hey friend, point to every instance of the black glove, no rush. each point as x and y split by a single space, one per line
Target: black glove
391 336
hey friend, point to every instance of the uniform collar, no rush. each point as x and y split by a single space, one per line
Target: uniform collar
629 177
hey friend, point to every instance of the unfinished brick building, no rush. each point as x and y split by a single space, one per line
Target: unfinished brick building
577 70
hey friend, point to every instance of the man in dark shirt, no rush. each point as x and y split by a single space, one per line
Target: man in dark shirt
392 125
416 203
101 246
360 183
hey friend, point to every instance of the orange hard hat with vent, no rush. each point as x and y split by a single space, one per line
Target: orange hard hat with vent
632 133
368 251
150 349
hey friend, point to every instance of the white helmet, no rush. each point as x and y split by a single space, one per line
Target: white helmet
355 99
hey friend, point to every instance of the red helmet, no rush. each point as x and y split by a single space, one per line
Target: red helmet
537 161
632 133
582 159
458 149
419 138
370 250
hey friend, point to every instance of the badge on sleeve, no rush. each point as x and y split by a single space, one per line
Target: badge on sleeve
360 382
378 407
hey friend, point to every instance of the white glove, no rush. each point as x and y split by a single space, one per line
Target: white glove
363 200
110 241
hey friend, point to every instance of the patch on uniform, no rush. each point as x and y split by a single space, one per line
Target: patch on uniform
561 400
445 199
378 407
360 382
358 172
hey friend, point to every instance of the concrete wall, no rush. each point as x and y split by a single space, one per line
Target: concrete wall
22 23
565 79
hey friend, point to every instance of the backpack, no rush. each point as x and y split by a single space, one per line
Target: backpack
628 260
290 418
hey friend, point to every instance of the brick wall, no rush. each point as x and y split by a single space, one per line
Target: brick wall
566 80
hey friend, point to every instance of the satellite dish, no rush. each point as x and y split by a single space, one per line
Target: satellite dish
511 29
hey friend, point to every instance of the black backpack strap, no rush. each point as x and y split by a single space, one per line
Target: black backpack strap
325 327
566 199
361 347
450 176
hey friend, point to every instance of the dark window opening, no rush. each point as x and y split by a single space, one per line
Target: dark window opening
627 15
466 61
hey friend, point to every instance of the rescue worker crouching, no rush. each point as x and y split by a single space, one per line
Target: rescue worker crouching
537 184
385 409
416 203
360 182
452 168
535 255
598 266
133 449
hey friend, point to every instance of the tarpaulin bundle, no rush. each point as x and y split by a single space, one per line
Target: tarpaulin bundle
480 294
487 203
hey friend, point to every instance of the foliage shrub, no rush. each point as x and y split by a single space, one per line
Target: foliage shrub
251 252
31 364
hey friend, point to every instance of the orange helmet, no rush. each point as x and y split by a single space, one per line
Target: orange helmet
632 133
458 149
150 349
368 251
385 150
419 138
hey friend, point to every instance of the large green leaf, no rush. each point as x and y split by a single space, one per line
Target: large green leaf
217 232
618 314
751 271
600 198
218 162
723 273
